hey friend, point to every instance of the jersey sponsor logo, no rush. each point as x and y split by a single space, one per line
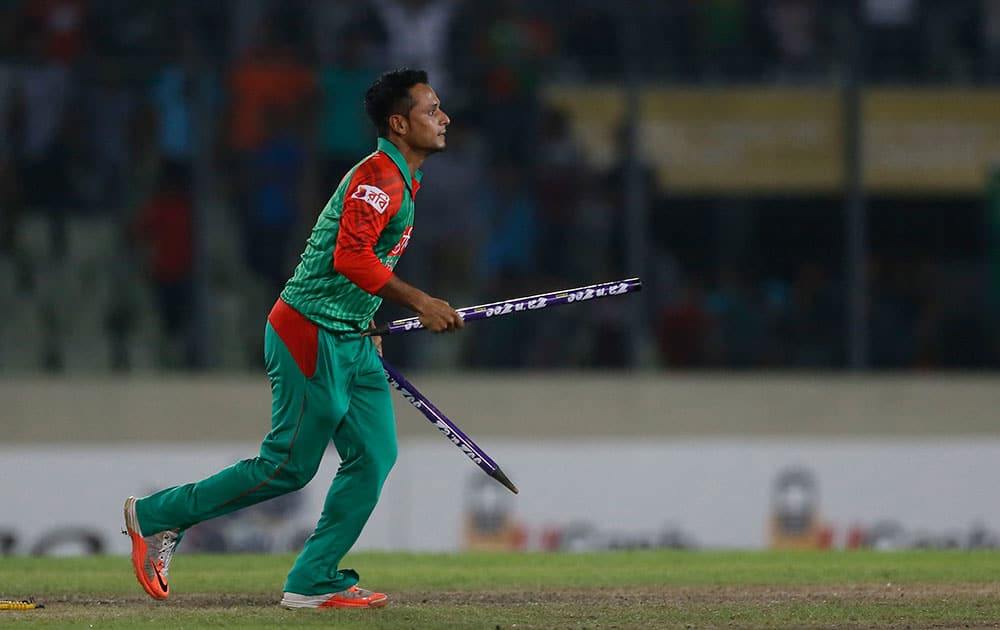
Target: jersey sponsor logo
373 196
404 240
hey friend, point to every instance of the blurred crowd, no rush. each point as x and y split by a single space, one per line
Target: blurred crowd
162 162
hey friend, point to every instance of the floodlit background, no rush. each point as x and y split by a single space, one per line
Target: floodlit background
809 190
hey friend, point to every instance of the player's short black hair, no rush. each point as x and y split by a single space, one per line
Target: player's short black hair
390 94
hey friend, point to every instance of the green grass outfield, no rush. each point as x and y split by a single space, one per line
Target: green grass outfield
637 589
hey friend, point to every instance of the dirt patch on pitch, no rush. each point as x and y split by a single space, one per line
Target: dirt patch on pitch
645 596
177 600
892 606
703 595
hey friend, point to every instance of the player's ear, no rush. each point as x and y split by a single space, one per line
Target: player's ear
399 124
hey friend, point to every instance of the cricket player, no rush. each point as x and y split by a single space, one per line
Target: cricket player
326 379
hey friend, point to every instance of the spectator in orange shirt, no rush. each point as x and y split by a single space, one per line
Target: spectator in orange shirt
270 76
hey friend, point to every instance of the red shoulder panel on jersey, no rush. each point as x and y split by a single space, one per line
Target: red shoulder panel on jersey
374 195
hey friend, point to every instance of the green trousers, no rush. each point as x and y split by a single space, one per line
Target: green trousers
346 400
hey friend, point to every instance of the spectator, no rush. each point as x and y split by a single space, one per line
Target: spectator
44 93
61 23
887 338
948 35
622 188
132 34
165 228
247 19
683 328
345 133
276 170
794 28
343 17
815 324
610 332
45 88
892 40
513 52
270 85
451 218
560 168
9 194
173 95
269 76
512 225
417 36
113 106
723 33
594 224
591 46
737 319
990 35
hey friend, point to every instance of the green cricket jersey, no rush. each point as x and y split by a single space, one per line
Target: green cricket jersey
356 243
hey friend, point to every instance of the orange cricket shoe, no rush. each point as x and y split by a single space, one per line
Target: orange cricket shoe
353 597
150 554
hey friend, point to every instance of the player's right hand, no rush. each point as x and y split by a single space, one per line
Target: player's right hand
438 316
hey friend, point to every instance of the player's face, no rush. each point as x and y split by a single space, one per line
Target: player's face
427 121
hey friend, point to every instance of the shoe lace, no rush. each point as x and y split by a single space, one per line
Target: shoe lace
168 540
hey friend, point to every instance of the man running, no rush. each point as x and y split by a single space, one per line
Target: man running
326 379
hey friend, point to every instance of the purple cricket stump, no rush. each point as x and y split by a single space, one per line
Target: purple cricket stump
446 426
521 304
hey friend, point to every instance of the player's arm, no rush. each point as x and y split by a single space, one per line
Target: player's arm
361 224
435 314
